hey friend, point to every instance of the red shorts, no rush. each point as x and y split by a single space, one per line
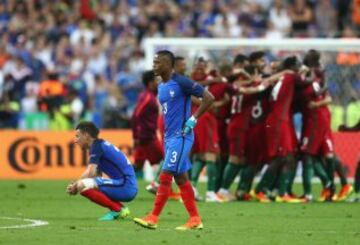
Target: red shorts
223 142
317 141
236 138
279 139
152 151
255 150
206 135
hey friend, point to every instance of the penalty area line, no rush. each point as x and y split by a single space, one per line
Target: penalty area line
33 223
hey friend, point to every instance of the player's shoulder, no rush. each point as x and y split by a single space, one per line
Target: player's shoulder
181 79
97 145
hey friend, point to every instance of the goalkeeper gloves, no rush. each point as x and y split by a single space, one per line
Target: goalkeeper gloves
189 125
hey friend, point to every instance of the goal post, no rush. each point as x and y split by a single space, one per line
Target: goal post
151 45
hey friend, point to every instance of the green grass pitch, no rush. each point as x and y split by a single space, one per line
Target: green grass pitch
73 220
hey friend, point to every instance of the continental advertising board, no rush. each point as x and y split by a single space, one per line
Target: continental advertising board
49 155
53 155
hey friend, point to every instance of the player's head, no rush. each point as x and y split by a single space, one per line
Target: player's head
163 62
240 61
200 65
312 58
148 79
275 66
251 70
291 63
86 133
257 58
180 65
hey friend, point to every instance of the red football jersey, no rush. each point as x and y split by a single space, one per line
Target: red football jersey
281 98
144 119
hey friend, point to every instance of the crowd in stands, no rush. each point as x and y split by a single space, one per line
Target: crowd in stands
81 59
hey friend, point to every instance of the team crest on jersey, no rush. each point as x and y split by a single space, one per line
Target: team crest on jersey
172 93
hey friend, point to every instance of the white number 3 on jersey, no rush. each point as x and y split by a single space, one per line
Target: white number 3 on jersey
173 156
165 108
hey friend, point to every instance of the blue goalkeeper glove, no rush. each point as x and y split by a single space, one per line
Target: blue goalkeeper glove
189 125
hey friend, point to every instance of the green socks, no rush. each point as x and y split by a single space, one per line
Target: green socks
320 172
357 178
340 171
307 174
195 171
211 174
230 172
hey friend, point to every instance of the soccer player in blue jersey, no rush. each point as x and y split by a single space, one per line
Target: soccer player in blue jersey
174 94
120 186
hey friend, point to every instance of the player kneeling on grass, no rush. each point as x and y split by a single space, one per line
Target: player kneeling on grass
120 186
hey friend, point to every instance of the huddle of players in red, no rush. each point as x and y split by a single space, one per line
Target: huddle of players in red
250 125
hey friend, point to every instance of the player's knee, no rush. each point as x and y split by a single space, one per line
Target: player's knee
236 160
329 155
209 156
85 184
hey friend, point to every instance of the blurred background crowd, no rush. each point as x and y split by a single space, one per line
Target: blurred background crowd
64 60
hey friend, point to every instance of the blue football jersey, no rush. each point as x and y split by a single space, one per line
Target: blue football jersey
175 98
110 160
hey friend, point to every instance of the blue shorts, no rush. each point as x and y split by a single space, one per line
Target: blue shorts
118 190
177 151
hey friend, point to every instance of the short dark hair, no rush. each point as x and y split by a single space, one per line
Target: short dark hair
290 62
169 54
147 77
254 56
240 59
88 127
179 58
312 58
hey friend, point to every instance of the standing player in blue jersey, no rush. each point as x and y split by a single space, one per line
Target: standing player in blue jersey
120 186
174 94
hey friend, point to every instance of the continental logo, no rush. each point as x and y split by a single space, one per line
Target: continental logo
29 155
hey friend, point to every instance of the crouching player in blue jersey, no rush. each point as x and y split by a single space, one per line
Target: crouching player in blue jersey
120 186
174 94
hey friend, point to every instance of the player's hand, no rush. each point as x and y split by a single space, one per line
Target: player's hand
312 104
72 189
189 125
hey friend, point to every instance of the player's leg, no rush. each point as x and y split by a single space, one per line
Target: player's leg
139 160
292 179
319 170
246 179
284 181
346 188
211 195
307 175
186 190
171 160
268 179
355 196
224 153
198 165
93 189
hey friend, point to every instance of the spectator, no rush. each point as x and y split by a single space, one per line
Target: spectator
301 16
279 19
326 23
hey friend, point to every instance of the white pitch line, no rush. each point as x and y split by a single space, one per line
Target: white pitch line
33 223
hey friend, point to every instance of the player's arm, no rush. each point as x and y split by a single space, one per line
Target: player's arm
90 172
96 153
274 78
191 88
207 100
315 104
